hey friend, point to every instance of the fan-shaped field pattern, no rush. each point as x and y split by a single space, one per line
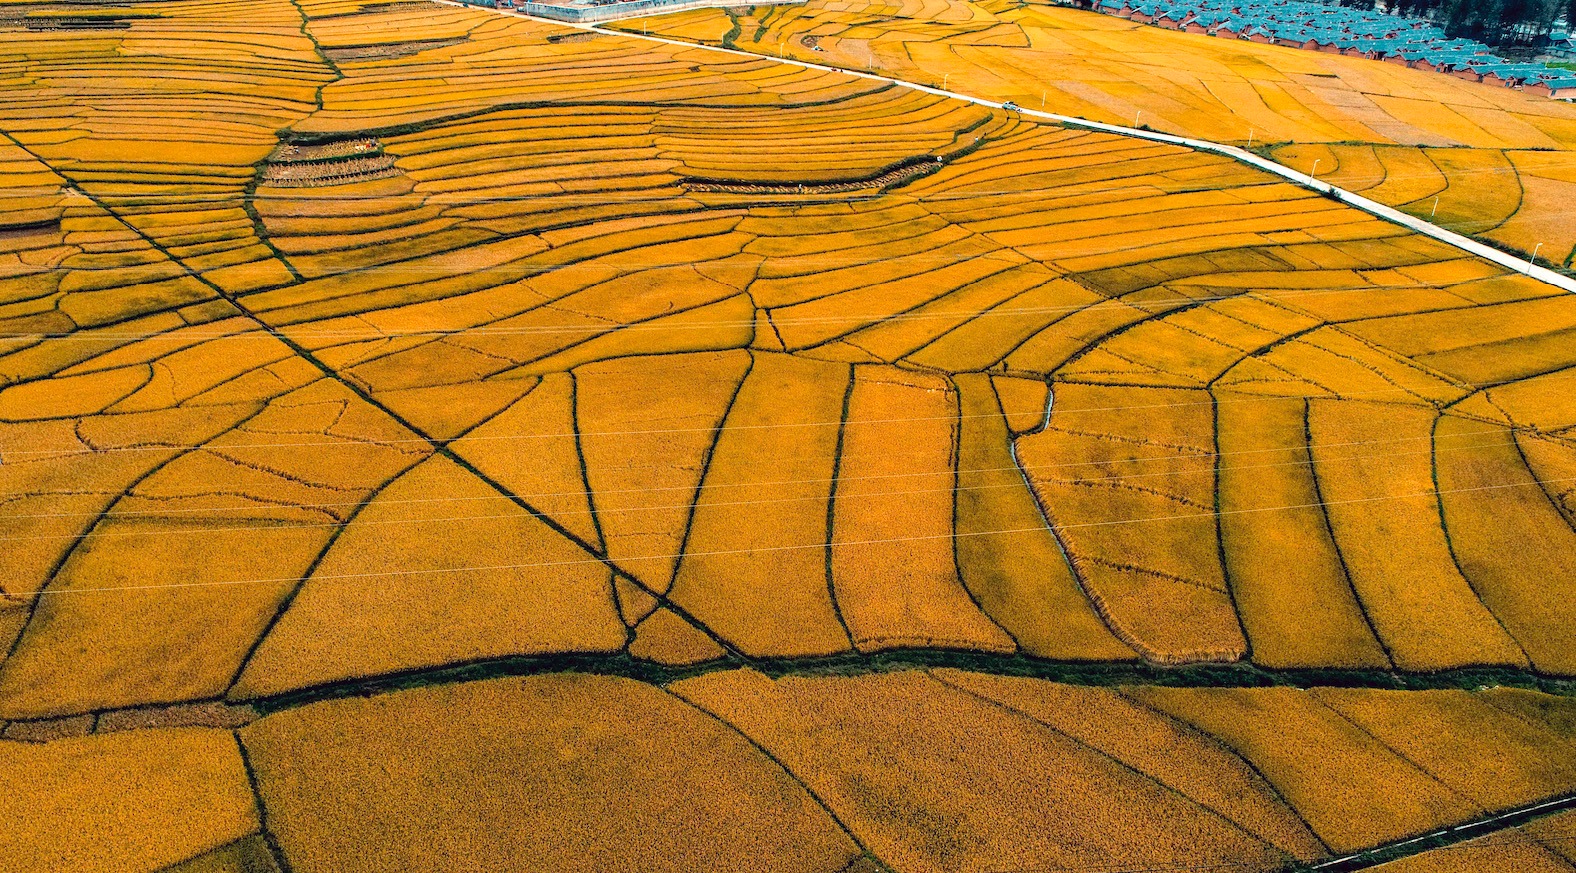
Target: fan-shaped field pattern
1120 72
573 771
535 397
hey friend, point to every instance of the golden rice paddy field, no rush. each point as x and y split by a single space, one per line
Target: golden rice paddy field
832 773
1498 159
353 355
1110 69
1520 200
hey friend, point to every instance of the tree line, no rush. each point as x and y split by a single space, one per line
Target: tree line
1496 22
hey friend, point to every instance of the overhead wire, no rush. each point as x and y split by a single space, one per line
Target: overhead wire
773 549
1113 869
972 194
301 333
264 506
354 441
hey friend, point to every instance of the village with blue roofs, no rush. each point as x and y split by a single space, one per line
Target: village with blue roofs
1326 27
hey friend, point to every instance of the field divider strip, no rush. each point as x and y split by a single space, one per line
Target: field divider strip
1341 195
1066 672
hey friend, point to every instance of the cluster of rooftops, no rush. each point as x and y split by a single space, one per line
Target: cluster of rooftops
1326 27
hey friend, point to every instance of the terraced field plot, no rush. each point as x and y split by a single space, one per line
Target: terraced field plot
1519 200
1498 159
349 348
1117 71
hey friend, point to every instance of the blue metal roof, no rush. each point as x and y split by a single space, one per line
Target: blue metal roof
1412 39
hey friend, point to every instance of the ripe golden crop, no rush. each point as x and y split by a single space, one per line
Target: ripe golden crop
1298 743
593 322
582 768
577 771
1009 792
897 584
180 793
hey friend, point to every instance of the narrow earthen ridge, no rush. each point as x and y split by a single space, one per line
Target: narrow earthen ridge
905 172
1086 673
1082 673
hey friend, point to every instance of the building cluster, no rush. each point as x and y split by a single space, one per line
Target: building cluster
1410 42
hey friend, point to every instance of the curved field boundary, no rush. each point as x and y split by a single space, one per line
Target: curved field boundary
1356 201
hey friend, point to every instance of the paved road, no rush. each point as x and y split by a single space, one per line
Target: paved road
1356 201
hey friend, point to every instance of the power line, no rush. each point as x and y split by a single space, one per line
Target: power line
759 550
362 441
535 498
871 320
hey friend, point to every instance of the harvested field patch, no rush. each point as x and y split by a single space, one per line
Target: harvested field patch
17 233
73 24
385 50
890 179
318 165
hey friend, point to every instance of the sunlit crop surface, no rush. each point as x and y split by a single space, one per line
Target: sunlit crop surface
351 347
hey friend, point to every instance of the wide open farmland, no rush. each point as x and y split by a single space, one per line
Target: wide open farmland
1499 161
434 439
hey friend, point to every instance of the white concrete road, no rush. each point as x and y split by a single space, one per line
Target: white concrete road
1356 201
